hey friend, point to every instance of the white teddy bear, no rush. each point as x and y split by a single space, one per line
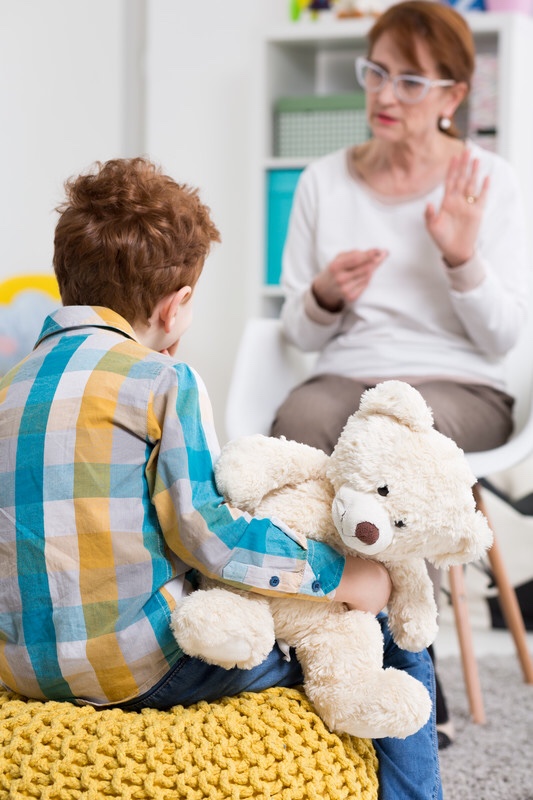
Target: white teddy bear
394 490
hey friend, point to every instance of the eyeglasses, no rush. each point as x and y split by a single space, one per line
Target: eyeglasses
406 88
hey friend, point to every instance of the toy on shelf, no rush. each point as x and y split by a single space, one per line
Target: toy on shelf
348 9
313 8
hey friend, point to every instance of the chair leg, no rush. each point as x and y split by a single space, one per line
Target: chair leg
512 614
466 643
507 596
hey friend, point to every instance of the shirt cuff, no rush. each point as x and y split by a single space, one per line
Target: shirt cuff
316 313
468 276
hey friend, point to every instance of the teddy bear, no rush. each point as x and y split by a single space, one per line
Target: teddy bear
394 489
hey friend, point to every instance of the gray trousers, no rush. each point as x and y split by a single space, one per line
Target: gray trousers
475 416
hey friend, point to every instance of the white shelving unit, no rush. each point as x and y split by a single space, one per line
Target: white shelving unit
318 58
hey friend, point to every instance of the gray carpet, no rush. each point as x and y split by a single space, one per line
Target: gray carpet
492 761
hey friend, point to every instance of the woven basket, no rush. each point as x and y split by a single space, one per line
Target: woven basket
265 746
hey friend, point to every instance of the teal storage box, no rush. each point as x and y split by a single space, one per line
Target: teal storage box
281 184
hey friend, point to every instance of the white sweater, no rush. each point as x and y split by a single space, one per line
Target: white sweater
417 318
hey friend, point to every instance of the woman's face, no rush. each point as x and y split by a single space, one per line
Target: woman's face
395 121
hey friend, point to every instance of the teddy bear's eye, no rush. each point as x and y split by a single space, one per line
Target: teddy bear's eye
383 491
399 523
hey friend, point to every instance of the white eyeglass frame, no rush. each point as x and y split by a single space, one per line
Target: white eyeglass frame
426 83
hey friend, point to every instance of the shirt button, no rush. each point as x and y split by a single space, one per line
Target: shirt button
274 580
315 586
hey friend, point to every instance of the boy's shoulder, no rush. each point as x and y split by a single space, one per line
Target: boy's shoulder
107 333
69 319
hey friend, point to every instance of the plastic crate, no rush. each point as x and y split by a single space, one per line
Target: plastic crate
280 187
313 125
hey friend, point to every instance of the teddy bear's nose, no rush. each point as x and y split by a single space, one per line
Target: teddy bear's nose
367 533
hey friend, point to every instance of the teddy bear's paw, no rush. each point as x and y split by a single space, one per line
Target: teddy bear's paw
391 703
224 628
412 635
401 707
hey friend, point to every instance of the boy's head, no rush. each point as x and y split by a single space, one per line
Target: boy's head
129 236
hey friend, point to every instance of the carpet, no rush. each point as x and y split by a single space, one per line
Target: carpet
492 761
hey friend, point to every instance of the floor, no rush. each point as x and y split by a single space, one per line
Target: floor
486 642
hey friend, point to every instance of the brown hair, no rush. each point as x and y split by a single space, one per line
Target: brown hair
128 236
445 32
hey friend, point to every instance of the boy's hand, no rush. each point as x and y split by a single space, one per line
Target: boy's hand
170 351
365 585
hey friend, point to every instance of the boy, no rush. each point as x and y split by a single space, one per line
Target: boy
107 497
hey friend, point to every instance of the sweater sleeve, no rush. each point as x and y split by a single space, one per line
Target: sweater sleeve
493 306
206 533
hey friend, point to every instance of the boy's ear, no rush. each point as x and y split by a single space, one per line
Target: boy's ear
170 306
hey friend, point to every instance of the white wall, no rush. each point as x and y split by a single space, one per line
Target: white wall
71 91
62 106
203 67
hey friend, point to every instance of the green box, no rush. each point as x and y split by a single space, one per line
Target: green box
313 125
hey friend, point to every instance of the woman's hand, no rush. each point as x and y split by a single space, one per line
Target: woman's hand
455 226
346 278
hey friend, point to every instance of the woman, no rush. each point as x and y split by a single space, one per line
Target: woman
406 255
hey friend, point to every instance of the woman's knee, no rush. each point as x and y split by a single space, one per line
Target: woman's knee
315 412
296 419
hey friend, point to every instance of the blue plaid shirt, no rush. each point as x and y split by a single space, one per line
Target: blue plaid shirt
107 500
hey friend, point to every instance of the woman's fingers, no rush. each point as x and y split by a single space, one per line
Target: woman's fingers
471 180
452 176
355 259
482 197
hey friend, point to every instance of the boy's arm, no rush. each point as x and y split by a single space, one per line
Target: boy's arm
220 541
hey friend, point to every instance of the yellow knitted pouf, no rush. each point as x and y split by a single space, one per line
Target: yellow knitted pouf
265 746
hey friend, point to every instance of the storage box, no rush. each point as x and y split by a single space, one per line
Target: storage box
280 187
313 125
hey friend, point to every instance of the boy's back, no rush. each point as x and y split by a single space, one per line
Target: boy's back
88 571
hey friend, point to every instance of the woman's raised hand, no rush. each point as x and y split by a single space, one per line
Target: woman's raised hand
455 226
346 277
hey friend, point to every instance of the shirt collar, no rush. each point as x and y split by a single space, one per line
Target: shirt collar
70 318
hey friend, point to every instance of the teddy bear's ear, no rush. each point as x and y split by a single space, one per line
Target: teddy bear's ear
398 400
251 467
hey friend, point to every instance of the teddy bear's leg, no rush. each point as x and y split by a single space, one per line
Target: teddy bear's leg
224 628
341 654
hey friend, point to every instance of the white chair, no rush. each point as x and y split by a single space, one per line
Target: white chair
267 367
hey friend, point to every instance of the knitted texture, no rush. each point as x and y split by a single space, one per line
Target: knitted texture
265 746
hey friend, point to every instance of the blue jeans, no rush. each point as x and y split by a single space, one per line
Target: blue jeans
408 768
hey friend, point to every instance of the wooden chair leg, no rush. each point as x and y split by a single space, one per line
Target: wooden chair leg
466 643
511 612
508 600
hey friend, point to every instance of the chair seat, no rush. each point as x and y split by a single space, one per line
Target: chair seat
258 746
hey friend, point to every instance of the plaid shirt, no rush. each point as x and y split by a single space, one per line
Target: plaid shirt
107 499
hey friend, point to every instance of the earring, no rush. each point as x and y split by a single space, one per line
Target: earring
445 123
